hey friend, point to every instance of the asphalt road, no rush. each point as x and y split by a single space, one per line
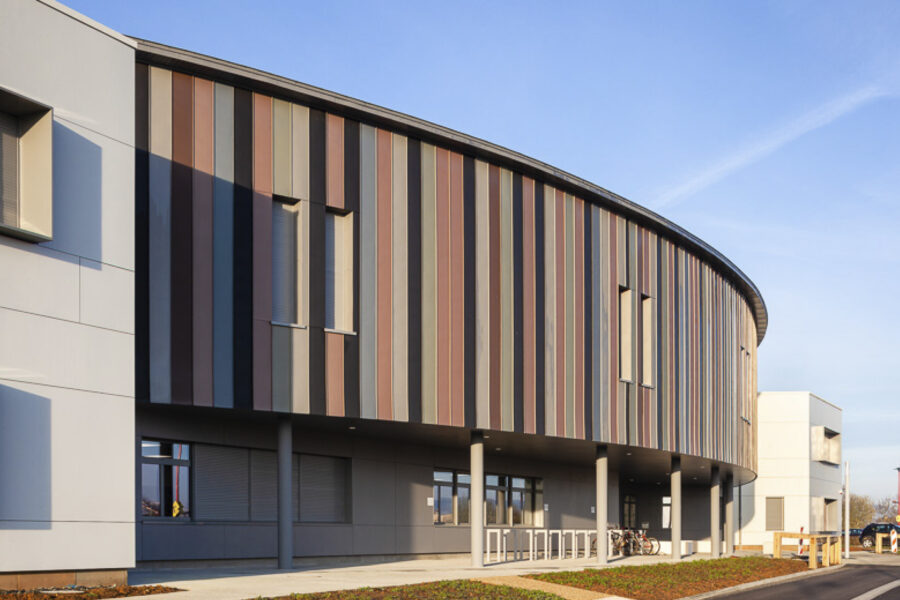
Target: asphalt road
847 583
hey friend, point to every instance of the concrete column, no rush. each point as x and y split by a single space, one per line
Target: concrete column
675 517
285 497
729 515
476 509
602 508
715 525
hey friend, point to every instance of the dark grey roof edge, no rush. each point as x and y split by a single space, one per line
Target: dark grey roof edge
288 89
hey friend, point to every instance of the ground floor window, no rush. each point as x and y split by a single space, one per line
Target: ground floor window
667 512
165 479
629 512
508 500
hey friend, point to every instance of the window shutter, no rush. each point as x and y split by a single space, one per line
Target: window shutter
263 486
9 170
323 489
221 482
774 514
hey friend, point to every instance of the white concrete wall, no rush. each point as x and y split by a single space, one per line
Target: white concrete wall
67 306
786 468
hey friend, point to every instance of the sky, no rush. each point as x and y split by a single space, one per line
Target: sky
769 129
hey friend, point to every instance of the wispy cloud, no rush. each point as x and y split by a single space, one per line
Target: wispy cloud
769 143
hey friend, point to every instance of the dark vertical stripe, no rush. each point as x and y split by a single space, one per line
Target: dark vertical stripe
518 373
317 370
539 307
317 176
351 203
243 249
182 238
142 234
588 327
469 274
676 408
351 374
351 168
414 276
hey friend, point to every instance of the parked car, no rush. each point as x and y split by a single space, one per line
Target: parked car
854 533
867 537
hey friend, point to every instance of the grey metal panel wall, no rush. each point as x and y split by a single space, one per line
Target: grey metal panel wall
221 483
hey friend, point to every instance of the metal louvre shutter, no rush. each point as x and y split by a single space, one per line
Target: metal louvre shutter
221 483
9 170
323 489
263 486
774 514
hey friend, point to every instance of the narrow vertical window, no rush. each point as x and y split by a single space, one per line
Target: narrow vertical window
648 341
626 334
285 267
339 271
9 170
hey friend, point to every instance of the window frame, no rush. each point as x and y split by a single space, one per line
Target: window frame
338 326
532 491
170 462
626 334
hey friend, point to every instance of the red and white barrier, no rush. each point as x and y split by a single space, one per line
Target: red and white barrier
894 541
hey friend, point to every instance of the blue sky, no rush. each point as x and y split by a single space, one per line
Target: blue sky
769 129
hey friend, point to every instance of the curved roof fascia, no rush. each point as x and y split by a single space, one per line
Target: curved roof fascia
261 81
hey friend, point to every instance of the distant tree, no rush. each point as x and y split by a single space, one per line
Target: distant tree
862 511
885 509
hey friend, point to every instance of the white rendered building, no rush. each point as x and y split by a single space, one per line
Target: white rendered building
799 479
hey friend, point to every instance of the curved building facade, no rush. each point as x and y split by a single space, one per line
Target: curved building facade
357 274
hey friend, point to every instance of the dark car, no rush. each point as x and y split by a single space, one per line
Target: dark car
854 533
867 537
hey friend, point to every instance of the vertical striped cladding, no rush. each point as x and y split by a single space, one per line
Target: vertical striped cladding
481 297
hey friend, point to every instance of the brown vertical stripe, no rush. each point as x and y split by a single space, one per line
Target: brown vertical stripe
457 292
528 297
334 162
262 252
495 334
203 242
443 276
560 314
182 234
578 207
384 360
334 374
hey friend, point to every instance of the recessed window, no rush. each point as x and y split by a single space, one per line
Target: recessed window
508 500
165 479
26 168
339 271
775 514
648 340
626 335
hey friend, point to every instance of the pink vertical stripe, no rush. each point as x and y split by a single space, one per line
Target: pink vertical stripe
334 374
202 220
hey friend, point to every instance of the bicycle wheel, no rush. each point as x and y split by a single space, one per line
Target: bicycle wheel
655 543
646 545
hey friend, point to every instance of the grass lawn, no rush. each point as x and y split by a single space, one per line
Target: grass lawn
93 593
667 581
461 589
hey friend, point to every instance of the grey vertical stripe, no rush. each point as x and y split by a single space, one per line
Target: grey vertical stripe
282 369
368 245
160 235
223 244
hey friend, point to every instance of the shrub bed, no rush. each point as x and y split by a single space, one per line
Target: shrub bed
87 593
461 589
668 581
